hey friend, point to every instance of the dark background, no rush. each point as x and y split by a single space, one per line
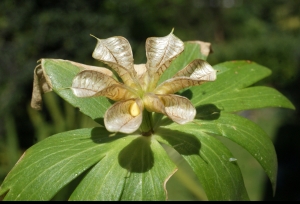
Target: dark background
264 31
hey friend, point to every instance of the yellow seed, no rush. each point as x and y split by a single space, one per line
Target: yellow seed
134 109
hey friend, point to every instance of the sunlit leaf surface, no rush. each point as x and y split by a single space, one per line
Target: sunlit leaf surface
229 92
210 160
248 135
61 74
119 168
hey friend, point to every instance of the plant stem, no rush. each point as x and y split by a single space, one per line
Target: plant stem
147 125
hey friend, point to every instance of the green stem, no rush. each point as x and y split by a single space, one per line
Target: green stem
147 124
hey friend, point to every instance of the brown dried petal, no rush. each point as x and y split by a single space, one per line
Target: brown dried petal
205 47
153 103
121 118
115 49
178 108
195 73
41 85
160 52
116 52
116 92
141 72
83 67
88 83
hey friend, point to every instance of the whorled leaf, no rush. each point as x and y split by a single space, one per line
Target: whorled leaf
156 167
49 165
246 134
60 74
141 181
114 165
209 159
252 98
42 81
228 92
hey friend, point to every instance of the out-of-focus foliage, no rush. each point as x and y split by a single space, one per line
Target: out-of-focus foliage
266 32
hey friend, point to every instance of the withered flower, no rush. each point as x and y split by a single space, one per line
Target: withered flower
139 94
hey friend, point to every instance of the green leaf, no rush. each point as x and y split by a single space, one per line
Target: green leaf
246 134
249 98
137 172
52 163
61 74
191 52
209 158
114 164
227 91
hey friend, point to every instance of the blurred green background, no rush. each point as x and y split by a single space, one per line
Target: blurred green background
267 32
